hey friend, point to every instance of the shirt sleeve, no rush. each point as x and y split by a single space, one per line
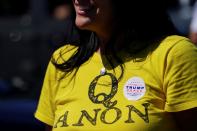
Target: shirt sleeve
45 108
180 80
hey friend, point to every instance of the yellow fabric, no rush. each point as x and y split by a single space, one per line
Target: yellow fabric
165 81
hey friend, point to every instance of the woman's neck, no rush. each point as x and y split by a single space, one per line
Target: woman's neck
103 40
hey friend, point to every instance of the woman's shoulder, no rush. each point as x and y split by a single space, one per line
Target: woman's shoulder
63 53
176 43
175 47
174 39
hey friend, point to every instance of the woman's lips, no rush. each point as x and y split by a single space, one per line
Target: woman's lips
84 10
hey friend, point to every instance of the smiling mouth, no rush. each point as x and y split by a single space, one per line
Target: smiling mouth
84 10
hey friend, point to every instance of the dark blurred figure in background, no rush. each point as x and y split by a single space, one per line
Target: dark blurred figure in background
193 24
180 14
26 43
183 13
64 31
62 12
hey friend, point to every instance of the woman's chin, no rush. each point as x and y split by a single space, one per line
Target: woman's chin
83 23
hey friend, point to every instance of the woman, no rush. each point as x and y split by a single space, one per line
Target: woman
129 71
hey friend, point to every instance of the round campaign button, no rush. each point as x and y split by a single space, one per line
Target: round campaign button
134 88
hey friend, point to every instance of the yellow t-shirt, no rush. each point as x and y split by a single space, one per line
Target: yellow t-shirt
165 81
